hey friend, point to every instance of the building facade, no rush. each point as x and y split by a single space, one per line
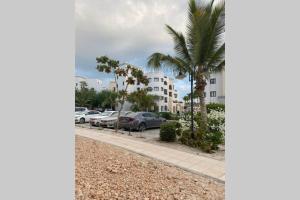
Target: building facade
214 91
215 88
160 86
91 83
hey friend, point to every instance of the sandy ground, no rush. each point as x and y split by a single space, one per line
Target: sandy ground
107 172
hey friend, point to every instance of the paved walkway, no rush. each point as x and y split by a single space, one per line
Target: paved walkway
190 162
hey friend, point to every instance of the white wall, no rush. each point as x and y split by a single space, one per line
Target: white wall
218 87
91 82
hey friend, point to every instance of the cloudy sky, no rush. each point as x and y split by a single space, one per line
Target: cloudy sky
126 30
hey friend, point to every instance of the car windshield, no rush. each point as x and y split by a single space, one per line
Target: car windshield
115 114
126 114
106 114
79 109
132 115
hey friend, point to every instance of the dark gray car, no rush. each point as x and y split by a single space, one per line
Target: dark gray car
141 121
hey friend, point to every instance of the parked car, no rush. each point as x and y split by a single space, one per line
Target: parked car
79 110
111 121
141 121
85 117
95 121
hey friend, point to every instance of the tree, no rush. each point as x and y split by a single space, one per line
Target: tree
108 99
141 101
82 95
201 51
130 73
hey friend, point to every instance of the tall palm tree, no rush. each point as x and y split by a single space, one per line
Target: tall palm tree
201 51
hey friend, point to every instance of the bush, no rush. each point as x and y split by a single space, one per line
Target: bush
169 130
166 115
215 106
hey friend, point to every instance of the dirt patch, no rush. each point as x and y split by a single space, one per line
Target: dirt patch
104 171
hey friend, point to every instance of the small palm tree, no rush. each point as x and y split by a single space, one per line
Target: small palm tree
201 51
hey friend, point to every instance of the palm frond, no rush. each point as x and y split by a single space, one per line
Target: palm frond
180 44
159 61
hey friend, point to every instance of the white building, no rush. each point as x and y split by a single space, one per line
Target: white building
159 85
215 88
91 83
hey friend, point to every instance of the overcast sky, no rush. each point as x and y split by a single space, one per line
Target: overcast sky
126 30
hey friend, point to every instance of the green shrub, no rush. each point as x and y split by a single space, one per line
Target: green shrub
166 115
215 106
169 130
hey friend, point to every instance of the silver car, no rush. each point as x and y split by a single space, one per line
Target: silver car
111 121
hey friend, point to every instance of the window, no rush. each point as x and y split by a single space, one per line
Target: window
165 91
166 108
170 94
170 87
138 89
76 84
204 94
147 115
138 83
149 89
175 95
166 99
161 108
212 81
149 79
156 88
156 79
162 89
165 83
213 93
123 82
161 79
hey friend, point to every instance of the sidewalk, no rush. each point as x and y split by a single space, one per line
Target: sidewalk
194 163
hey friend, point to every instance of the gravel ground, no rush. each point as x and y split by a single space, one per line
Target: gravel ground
104 171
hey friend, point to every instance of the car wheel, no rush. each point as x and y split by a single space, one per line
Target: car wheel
142 127
82 120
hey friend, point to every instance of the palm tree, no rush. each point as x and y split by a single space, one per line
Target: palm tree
201 51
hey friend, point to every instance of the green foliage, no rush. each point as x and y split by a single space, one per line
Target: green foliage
107 99
207 137
169 130
215 106
141 101
84 96
166 115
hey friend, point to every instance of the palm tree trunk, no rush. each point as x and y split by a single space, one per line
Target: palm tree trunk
200 88
203 109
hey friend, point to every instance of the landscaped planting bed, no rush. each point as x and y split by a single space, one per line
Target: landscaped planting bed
107 172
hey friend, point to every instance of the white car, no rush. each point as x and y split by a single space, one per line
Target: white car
95 121
80 110
85 117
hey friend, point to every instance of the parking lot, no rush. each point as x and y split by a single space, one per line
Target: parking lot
148 134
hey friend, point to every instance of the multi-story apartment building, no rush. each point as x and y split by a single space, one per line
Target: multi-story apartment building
214 91
159 85
91 83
